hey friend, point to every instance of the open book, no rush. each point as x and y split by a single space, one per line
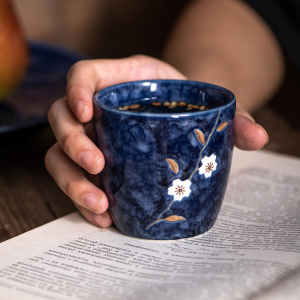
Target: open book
252 252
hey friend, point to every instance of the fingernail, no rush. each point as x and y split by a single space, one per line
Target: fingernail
80 109
92 202
89 161
249 118
267 136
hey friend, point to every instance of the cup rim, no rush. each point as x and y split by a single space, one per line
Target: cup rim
231 102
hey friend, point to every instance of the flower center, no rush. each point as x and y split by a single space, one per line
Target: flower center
209 167
180 190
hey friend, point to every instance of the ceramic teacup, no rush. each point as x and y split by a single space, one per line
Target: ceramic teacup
168 146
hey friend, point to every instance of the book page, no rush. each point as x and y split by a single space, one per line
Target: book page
253 248
288 289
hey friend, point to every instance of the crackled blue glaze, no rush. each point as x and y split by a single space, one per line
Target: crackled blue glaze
138 179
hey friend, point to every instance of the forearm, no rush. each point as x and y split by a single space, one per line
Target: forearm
226 43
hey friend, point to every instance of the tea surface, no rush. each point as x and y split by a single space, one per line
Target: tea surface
164 107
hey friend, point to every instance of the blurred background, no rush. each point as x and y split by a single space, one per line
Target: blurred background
101 28
118 28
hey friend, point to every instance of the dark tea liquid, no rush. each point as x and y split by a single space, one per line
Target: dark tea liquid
163 107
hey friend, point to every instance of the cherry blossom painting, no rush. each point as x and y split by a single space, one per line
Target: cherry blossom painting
205 167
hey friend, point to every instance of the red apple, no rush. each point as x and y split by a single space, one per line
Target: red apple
13 50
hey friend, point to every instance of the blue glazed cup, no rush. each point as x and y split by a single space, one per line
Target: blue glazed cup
167 156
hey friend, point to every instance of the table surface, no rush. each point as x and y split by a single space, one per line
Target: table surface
29 197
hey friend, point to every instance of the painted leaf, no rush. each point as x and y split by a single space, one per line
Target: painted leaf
174 218
200 136
173 165
222 126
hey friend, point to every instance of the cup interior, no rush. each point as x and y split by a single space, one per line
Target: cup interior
162 91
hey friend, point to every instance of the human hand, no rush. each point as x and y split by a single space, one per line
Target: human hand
75 156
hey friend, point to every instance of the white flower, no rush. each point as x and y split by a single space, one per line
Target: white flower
208 165
180 189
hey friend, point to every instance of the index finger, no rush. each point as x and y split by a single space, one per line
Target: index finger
88 76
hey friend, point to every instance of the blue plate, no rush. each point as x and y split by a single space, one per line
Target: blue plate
44 82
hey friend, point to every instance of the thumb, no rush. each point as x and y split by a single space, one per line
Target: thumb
248 134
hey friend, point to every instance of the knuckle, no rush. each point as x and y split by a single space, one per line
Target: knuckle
72 189
66 142
81 66
73 90
52 113
140 57
69 188
54 110
74 68
48 159
70 142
